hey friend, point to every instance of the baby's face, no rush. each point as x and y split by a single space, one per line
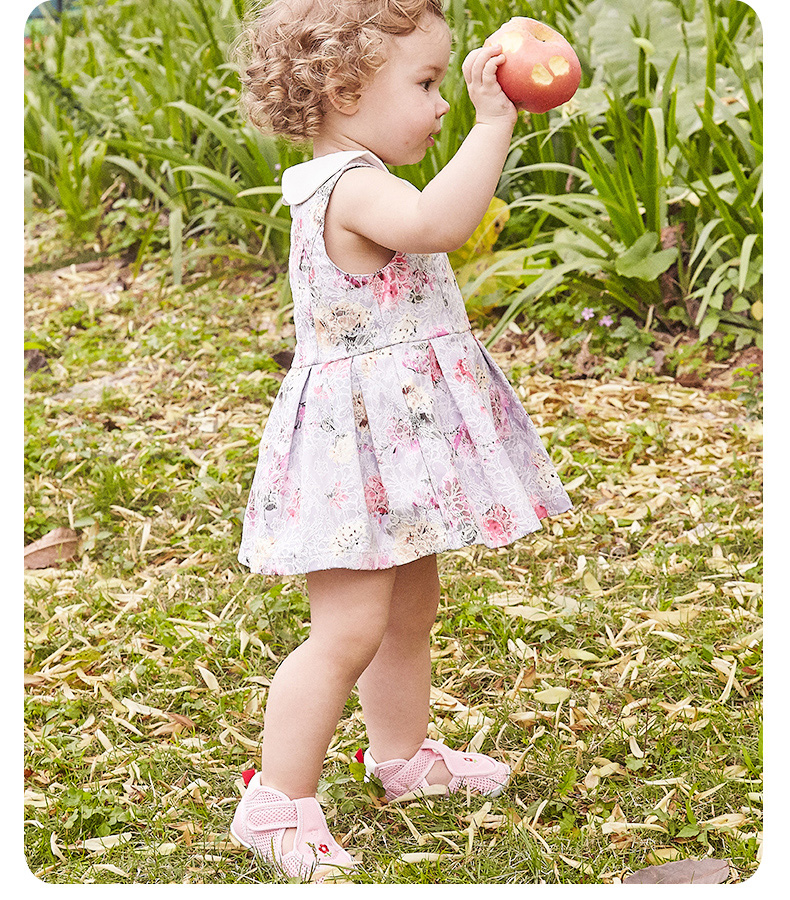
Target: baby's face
402 107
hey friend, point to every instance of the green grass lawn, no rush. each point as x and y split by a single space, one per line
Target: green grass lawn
614 659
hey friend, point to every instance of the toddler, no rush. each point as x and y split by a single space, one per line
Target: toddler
394 435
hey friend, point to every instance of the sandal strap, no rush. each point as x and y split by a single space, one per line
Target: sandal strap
401 776
273 816
461 764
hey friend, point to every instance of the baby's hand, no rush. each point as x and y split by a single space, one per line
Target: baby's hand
490 101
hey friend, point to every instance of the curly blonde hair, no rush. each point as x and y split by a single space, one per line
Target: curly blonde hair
293 54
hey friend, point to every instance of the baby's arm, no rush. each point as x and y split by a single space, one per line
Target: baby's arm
442 216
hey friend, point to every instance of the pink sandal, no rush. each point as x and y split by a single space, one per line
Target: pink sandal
261 819
476 771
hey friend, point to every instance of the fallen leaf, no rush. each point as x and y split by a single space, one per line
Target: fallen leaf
102 844
426 857
477 818
525 680
182 720
574 863
671 616
166 729
208 676
576 482
618 827
603 769
163 849
684 871
433 790
55 849
107 867
473 718
445 702
552 695
476 742
724 822
134 708
530 613
580 655
585 362
699 725
726 672
35 799
104 740
56 546
617 816
525 719
591 583
237 736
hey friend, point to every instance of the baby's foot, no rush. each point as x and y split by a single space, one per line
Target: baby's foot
435 763
439 774
290 833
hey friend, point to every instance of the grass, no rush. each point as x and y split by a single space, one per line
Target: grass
614 658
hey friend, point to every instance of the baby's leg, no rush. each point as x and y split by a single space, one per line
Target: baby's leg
348 616
395 688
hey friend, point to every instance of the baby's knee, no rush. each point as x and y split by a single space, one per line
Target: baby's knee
414 616
351 650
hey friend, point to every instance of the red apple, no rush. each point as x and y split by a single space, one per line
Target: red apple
541 70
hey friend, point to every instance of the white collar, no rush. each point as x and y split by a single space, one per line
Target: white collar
303 180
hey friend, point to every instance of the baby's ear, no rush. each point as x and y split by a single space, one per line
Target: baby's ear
340 102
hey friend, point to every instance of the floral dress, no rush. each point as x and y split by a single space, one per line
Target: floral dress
394 434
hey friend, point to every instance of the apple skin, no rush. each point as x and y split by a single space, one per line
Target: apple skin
541 70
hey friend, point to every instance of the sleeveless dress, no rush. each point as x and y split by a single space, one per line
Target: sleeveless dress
394 434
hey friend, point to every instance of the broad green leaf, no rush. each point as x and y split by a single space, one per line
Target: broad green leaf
641 260
709 325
